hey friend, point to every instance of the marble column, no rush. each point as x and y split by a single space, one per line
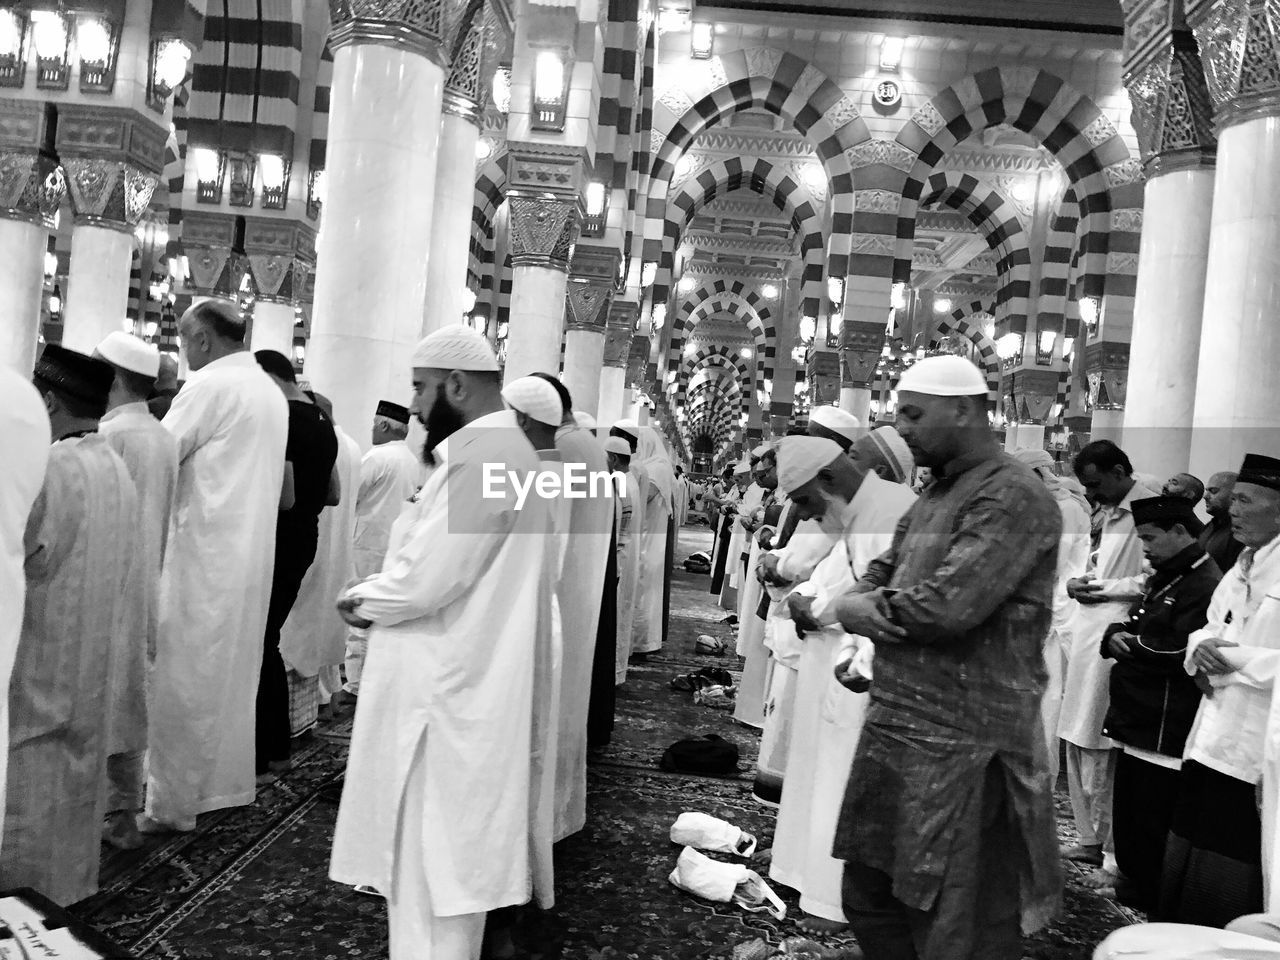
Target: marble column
97 284
613 372
1175 133
22 248
383 142
273 325
455 181
543 229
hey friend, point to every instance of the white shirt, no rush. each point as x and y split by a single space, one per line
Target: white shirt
389 474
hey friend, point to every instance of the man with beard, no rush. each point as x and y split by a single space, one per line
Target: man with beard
1185 487
948 828
1217 537
841 491
435 806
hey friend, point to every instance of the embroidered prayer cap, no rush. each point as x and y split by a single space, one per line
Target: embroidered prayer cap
742 466
943 376
1260 471
128 352
1176 509
535 398
585 420
895 452
77 375
393 411
617 445
800 459
455 347
838 421
629 427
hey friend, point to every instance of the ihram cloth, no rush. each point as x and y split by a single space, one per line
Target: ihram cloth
956 702
230 422
827 719
579 591
24 436
451 667
78 537
151 457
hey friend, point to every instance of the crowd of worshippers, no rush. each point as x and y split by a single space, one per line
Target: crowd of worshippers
182 595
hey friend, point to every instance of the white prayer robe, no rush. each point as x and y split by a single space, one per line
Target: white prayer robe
24 437
151 456
230 422
389 474
451 659
630 545
580 591
1086 693
78 539
658 491
1073 558
314 636
827 718
753 687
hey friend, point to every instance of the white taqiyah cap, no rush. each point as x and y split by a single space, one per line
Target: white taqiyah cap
617 445
456 347
836 420
126 351
800 459
535 398
943 376
585 420
742 466
1035 457
895 451
628 426
761 450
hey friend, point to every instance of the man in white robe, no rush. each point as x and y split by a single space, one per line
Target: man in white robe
849 494
435 806
389 474
78 541
579 593
1103 597
231 423
24 435
313 640
753 687
652 462
150 453
629 518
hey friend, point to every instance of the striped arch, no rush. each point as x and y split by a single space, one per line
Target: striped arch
491 189
781 83
998 222
710 412
745 302
958 323
1070 125
770 180
1055 269
725 358
720 305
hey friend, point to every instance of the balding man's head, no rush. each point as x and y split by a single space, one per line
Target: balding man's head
211 330
1217 494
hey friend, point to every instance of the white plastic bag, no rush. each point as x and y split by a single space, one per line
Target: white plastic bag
704 832
698 874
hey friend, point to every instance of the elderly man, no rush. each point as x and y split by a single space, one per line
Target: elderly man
435 807
948 828
389 474
24 435
231 425
1217 537
1212 869
78 542
151 454
833 489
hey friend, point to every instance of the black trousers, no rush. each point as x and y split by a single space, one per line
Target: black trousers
601 705
1144 799
295 551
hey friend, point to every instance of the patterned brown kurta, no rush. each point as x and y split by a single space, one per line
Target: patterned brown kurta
973 564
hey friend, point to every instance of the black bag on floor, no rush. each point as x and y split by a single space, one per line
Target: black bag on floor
698 562
708 756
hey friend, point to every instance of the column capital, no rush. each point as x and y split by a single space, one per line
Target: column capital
475 60
113 158
108 193
637 358
1240 48
555 169
617 332
588 304
1106 366
861 342
31 184
1172 111
1030 393
429 28
543 230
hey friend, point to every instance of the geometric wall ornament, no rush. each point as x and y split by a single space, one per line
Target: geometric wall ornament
1240 49
543 231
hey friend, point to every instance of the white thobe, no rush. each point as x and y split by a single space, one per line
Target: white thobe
24 437
827 718
314 636
79 537
1073 558
231 423
753 686
151 455
580 591
1085 694
630 544
451 663
389 474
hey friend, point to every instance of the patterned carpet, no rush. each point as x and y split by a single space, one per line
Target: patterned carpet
253 882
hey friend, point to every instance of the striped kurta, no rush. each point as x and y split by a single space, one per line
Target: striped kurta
80 533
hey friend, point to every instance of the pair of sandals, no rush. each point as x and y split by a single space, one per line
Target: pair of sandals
702 678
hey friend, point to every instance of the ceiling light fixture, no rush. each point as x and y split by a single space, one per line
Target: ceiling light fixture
769 291
941 305
702 40
891 52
